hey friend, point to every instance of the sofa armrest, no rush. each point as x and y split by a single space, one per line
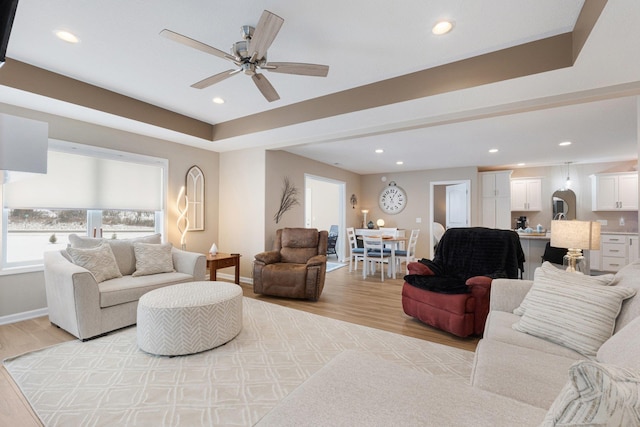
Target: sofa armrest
480 287
317 260
507 294
73 297
192 263
268 257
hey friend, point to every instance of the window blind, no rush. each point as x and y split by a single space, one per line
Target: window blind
76 181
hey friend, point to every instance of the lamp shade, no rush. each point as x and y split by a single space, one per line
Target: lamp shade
575 234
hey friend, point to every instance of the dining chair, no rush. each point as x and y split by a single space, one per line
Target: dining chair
374 254
355 253
389 232
410 254
437 230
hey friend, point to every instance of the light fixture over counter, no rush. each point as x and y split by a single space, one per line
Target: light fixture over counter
23 147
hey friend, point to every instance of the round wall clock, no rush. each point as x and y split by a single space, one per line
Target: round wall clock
392 199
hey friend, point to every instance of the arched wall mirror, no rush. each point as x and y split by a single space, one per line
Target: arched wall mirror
195 194
564 204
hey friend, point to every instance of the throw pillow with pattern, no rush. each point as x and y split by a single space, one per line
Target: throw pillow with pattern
152 258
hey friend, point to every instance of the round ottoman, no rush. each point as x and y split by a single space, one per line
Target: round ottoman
189 317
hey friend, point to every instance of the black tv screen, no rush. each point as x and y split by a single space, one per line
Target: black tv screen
7 13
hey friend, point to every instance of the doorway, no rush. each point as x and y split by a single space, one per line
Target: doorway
325 206
450 206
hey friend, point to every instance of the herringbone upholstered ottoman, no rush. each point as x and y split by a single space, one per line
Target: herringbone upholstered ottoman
189 317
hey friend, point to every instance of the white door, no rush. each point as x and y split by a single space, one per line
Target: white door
457 205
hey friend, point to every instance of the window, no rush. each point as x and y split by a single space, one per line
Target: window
86 191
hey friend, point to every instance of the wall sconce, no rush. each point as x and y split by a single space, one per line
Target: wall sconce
182 218
354 201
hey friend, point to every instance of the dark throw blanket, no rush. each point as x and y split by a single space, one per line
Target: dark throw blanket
468 252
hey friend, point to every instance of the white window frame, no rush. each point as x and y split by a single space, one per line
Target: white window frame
94 217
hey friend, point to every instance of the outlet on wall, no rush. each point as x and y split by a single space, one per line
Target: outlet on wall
418 220
603 221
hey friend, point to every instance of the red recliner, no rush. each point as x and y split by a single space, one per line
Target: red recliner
451 292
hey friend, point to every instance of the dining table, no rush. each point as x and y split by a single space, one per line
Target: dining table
394 243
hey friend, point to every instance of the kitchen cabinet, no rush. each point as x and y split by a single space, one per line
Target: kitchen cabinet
614 191
496 199
526 194
616 251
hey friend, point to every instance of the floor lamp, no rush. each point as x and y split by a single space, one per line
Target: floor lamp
576 236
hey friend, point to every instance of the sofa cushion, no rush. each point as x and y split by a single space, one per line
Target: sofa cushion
629 276
547 273
499 328
122 248
359 389
623 348
597 395
152 258
578 316
528 375
128 288
98 260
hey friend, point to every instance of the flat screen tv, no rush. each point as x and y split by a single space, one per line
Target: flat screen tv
7 13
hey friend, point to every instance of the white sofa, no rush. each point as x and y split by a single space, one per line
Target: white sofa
517 380
86 308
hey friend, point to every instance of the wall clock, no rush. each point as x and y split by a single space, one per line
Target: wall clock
392 199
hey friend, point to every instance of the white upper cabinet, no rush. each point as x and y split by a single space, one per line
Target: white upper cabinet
614 191
526 194
496 191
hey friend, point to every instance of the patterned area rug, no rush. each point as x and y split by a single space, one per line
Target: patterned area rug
109 381
334 266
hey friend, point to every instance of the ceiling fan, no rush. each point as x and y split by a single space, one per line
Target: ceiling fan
250 55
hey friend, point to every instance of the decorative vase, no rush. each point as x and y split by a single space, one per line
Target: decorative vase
213 250
370 225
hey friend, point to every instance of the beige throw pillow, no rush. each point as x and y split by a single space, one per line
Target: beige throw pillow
152 258
549 274
98 260
577 316
597 395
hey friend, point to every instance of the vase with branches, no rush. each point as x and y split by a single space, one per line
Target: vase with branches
288 200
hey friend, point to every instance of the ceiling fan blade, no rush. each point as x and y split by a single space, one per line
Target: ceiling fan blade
217 78
265 87
264 34
171 35
297 68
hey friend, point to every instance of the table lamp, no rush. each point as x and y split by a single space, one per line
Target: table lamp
364 221
575 236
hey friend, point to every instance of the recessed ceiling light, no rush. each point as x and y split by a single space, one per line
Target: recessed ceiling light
442 27
67 36
493 150
521 164
399 162
564 143
379 150
218 100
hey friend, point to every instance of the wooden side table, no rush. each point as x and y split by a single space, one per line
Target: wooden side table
220 260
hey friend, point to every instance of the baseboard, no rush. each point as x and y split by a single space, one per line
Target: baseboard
25 315
232 277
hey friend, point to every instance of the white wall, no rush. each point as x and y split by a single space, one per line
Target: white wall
242 206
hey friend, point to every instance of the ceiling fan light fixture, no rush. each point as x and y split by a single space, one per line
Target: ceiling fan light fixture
442 27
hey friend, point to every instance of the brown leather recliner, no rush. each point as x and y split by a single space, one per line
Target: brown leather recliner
296 266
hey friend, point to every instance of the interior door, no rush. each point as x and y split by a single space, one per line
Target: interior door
457 205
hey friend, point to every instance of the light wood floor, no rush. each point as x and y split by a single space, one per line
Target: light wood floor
346 297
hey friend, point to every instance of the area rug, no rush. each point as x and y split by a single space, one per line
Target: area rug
109 381
334 266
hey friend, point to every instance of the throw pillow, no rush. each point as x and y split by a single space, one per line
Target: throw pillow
548 273
152 258
578 316
84 242
99 261
597 395
623 348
